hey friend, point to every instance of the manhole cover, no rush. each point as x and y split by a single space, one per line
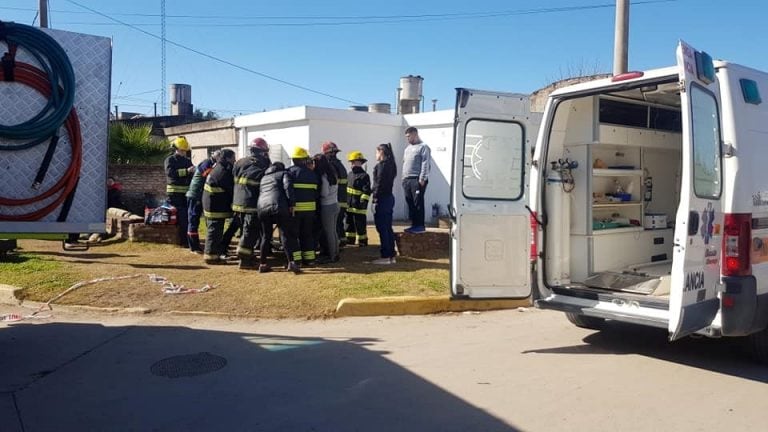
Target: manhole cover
188 365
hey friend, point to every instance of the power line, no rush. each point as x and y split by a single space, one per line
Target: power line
218 59
376 18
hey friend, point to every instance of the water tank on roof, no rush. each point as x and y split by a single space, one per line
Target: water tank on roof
383 108
411 87
181 99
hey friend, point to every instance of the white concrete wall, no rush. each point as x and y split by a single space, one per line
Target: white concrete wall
435 130
287 138
308 127
363 137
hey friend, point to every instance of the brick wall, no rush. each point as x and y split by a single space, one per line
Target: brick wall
137 181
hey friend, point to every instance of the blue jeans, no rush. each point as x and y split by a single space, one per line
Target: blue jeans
195 210
382 216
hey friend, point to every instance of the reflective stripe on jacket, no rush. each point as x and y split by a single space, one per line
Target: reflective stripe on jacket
248 172
218 191
177 176
341 172
358 191
305 186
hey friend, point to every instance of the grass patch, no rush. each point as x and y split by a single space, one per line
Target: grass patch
36 273
45 270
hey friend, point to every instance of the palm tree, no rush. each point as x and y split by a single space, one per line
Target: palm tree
134 144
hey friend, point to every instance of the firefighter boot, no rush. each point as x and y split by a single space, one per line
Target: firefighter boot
247 262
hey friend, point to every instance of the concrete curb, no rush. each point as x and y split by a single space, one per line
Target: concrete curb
10 294
413 305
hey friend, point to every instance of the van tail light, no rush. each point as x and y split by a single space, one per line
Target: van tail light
737 237
534 226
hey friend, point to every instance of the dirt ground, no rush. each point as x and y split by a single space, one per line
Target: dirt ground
279 294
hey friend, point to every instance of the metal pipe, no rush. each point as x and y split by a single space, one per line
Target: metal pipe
621 38
43 7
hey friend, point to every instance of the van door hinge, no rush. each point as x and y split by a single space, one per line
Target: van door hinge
681 86
728 150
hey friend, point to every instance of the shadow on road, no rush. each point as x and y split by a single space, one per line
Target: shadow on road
728 356
64 376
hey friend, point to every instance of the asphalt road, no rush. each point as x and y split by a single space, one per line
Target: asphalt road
495 371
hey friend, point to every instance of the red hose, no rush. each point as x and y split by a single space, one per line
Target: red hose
35 78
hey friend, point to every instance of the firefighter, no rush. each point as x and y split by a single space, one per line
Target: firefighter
217 205
248 172
178 175
195 201
330 149
305 185
276 206
358 195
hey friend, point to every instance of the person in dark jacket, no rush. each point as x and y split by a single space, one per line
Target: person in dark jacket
178 175
276 206
384 174
195 201
331 150
248 172
305 185
358 195
217 205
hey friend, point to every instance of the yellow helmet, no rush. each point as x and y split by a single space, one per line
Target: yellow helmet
356 155
181 143
299 153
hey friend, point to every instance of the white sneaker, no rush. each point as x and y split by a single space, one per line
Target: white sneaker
383 261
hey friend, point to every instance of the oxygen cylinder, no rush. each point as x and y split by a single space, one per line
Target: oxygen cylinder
558 241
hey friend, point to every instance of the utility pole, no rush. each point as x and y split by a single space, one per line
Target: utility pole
621 37
43 7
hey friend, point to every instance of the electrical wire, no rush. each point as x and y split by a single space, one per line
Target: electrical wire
218 59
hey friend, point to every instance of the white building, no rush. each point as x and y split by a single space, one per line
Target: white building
308 127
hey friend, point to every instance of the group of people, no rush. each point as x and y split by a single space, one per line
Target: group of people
316 203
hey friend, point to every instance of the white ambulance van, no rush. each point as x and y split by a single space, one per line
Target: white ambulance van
644 201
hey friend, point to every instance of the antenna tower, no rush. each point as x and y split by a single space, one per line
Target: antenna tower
163 96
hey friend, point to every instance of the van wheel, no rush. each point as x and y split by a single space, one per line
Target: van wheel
584 321
759 345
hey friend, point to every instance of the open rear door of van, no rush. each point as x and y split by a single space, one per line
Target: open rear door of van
491 230
695 275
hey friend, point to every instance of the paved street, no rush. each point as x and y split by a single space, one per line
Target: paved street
510 370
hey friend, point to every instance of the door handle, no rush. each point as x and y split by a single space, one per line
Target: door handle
693 223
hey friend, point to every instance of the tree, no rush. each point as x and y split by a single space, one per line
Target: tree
210 115
134 144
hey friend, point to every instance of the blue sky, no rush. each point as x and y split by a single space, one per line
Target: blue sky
344 49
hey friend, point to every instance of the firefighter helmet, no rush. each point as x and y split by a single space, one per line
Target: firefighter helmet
299 153
356 156
259 144
330 147
181 143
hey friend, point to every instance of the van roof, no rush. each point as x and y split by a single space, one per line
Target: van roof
648 75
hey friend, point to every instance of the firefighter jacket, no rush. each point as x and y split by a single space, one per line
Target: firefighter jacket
248 172
341 174
177 178
204 168
305 186
276 193
358 191
217 192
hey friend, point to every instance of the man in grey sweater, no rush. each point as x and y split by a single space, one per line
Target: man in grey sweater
416 166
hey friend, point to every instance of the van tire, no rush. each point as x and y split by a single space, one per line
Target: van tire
584 321
759 346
